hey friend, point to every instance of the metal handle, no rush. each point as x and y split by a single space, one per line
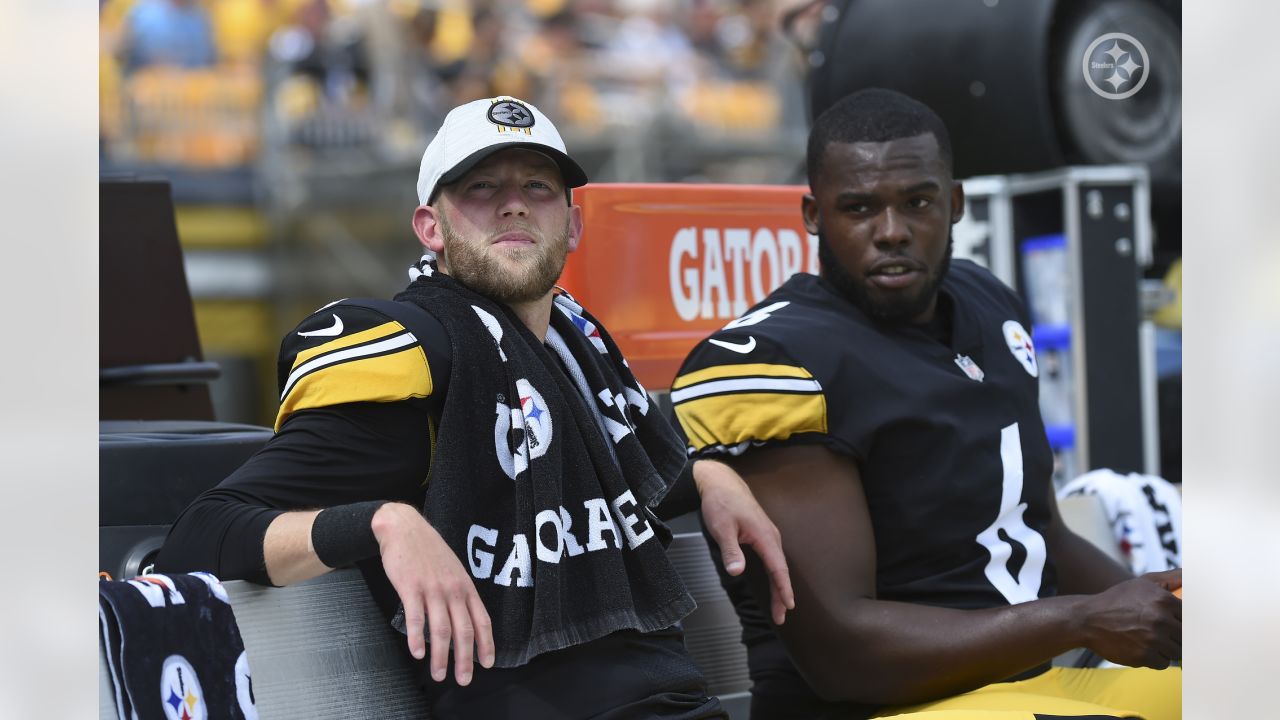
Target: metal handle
182 373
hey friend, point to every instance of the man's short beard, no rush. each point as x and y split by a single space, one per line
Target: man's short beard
855 289
469 265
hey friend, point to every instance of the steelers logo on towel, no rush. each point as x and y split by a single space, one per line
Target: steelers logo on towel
180 692
215 586
244 688
510 113
1019 341
537 418
524 433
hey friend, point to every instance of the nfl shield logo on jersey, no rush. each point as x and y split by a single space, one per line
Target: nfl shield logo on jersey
1019 341
970 367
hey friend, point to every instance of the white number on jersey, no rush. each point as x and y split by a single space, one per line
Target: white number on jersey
757 316
1026 586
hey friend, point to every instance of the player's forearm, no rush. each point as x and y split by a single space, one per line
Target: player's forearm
301 545
1082 567
896 653
288 551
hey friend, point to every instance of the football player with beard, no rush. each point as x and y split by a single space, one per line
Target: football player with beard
526 541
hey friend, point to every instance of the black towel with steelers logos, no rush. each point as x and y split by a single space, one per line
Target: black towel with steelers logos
173 649
548 461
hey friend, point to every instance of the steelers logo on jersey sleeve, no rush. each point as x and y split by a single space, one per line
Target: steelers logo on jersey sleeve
1019 341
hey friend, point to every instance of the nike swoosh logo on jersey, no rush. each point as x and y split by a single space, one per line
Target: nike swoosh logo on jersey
743 348
332 331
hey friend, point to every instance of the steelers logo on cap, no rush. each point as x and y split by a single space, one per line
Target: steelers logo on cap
511 114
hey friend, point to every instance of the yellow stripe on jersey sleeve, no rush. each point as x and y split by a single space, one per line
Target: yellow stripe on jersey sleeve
386 329
382 378
720 372
760 416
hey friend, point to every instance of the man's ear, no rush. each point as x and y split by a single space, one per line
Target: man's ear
426 225
809 211
575 226
957 202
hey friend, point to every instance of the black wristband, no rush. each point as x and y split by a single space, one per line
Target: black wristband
343 535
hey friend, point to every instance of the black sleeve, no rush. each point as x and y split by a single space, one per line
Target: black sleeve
681 498
320 458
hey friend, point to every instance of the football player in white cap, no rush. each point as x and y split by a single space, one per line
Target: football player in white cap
482 452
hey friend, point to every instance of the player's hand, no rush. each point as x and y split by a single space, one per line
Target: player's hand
734 518
1168 579
434 588
1137 623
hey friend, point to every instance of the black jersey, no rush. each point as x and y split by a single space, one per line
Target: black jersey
360 400
947 436
348 353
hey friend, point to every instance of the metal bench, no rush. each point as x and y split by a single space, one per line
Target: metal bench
321 649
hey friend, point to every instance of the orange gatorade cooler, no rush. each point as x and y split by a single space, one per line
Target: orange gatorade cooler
665 265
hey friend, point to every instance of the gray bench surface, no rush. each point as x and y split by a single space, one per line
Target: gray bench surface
321 649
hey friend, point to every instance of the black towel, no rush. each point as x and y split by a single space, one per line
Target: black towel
547 464
173 649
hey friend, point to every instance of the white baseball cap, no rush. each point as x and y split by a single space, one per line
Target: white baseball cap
476 130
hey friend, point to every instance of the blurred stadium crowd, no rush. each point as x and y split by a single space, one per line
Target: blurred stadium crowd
209 83
291 130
